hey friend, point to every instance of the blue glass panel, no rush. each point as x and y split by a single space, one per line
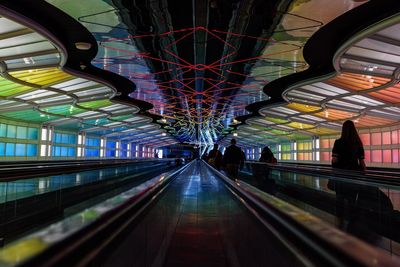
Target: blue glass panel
21 132
71 152
124 146
31 149
11 131
64 151
110 144
2 149
57 138
64 138
33 133
110 153
3 130
123 154
20 150
10 149
72 139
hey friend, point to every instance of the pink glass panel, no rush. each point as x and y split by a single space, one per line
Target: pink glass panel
395 137
386 140
367 155
376 139
376 155
387 156
325 156
395 155
365 138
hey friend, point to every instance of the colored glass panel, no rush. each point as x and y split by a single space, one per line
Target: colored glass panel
357 81
42 77
96 104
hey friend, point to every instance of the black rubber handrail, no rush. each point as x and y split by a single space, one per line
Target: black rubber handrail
17 172
304 233
376 177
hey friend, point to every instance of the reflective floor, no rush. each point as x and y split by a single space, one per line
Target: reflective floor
198 222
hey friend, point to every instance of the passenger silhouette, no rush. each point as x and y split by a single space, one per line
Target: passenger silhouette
215 157
232 159
348 151
361 209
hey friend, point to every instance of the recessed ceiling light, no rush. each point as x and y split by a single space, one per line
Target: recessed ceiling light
83 45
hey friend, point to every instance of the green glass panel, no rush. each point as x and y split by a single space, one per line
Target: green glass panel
65 110
29 116
33 133
3 130
11 131
96 104
121 118
21 132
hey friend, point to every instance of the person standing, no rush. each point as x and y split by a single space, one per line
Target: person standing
348 150
347 154
215 157
233 158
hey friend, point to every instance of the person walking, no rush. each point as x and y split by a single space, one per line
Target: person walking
215 157
232 159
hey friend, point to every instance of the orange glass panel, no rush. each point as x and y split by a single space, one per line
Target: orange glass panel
391 94
369 121
324 143
357 82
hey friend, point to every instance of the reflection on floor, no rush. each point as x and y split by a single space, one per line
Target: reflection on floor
197 222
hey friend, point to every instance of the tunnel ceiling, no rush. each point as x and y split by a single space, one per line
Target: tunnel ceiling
201 62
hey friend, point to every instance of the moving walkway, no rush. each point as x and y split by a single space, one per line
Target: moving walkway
193 216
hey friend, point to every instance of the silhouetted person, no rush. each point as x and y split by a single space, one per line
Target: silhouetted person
232 159
215 157
348 150
205 156
267 156
156 155
262 171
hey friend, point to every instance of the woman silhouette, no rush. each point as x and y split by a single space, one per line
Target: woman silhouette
348 151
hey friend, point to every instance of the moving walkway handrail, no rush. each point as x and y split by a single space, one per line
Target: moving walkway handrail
23 171
332 246
76 241
328 172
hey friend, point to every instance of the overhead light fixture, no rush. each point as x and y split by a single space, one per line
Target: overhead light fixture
163 134
83 45
235 134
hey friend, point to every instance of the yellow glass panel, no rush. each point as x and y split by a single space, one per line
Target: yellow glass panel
41 77
276 120
299 125
302 107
